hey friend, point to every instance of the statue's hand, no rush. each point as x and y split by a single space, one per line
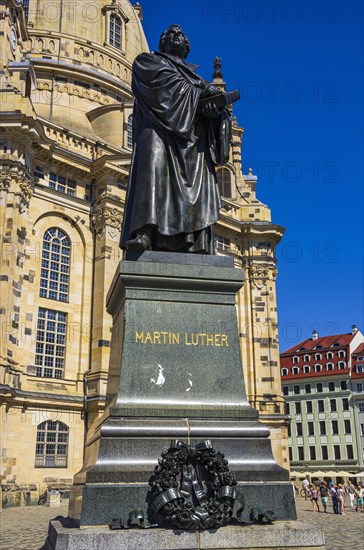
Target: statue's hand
210 110
209 90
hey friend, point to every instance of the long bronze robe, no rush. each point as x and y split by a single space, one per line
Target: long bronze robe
173 184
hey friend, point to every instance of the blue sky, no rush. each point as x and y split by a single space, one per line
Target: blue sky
298 66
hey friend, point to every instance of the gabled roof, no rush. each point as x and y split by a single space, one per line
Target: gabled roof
359 350
324 342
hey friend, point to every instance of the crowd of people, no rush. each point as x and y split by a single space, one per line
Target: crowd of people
341 495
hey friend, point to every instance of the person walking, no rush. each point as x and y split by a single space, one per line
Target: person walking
314 498
351 493
333 495
324 491
306 486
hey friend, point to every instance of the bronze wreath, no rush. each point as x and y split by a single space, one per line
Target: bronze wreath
173 502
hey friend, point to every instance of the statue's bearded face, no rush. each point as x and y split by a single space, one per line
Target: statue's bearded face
175 42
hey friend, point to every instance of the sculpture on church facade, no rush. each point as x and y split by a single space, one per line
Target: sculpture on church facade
179 135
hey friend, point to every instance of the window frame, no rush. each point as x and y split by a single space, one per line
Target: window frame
225 179
322 426
50 347
52 435
62 184
333 405
55 266
108 11
335 427
115 31
129 131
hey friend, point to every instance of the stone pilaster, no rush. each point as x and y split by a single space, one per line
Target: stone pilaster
106 220
16 191
259 329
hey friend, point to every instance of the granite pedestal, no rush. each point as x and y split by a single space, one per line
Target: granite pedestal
175 373
285 535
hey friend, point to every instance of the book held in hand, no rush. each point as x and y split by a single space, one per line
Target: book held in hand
220 100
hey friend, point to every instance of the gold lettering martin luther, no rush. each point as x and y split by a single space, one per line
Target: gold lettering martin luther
165 337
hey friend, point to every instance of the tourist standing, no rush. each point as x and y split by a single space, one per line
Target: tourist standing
324 491
359 499
340 499
333 495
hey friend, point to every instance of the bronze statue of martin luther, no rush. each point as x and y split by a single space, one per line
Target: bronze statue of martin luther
173 198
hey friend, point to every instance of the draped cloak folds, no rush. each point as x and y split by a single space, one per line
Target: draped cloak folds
173 184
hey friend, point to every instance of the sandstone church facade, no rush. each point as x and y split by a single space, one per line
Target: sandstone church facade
65 152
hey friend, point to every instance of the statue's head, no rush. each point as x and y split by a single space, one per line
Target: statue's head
175 42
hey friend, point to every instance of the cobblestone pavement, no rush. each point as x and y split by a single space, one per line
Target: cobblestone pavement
26 528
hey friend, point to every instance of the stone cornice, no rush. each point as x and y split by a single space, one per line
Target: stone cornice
116 163
27 127
255 230
74 71
17 397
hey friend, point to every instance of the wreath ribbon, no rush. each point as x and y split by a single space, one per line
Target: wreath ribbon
191 483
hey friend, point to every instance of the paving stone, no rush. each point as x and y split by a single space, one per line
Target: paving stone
26 528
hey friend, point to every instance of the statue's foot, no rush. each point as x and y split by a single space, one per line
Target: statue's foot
139 243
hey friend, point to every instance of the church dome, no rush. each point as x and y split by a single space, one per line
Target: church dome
112 24
82 53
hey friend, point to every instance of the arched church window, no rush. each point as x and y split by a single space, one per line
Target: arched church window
115 31
129 130
52 445
54 278
224 178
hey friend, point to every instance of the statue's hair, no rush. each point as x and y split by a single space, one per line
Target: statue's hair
163 39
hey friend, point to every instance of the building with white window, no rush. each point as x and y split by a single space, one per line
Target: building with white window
323 388
65 152
357 388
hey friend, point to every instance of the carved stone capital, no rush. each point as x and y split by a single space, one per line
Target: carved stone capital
260 273
107 218
4 183
26 191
